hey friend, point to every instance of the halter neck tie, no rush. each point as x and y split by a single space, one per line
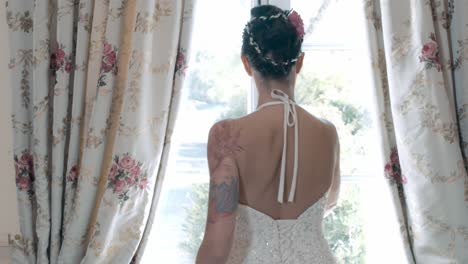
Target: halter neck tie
290 120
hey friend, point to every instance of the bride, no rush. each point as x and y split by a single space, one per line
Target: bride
275 172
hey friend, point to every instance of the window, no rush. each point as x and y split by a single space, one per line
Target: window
216 87
334 85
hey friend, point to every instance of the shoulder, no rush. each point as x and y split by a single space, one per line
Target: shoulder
223 143
329 126
330 130
325 126
223 129
224 138
222 124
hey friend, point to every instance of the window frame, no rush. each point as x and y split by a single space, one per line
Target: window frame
252 99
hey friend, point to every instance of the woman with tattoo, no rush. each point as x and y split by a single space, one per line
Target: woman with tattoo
275 172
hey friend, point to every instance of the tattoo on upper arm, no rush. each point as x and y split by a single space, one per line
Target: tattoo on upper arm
223 143
224 196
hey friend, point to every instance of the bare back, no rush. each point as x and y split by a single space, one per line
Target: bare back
259 162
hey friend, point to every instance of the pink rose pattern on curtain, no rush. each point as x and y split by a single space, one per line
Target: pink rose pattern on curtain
418 57
95 86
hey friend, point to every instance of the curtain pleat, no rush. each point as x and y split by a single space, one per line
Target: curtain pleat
95 90
417 56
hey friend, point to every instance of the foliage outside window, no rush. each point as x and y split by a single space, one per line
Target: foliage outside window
325 95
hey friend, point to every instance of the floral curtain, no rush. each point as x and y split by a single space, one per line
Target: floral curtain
419 53
95 87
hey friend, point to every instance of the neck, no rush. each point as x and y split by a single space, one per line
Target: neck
264 88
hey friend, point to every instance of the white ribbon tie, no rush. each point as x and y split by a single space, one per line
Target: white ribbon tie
290 120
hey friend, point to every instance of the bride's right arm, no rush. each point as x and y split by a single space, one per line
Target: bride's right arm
223 196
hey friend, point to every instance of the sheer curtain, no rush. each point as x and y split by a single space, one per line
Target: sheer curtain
95 90
419 61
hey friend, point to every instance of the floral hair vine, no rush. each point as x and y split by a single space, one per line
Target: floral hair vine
293 17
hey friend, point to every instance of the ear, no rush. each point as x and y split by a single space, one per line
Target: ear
247 66
299 63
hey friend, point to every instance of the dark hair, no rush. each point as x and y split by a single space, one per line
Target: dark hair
270 42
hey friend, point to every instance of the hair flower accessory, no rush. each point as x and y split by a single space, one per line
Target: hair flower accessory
297 22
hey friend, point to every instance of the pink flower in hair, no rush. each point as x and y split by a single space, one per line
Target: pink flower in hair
297 22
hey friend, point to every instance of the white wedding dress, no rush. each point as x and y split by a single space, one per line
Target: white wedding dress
258 238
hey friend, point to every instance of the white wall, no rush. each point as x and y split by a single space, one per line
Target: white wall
8 205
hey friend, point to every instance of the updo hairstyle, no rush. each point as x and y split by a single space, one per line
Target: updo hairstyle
271 42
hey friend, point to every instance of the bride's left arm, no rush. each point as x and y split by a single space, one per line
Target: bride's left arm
334 190
223 197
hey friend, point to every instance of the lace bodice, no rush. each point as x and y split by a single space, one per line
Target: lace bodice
258 238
